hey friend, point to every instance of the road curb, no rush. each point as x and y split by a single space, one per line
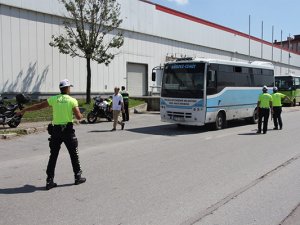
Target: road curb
8 136
14 132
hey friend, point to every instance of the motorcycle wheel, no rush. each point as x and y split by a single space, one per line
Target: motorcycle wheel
14 122
91 117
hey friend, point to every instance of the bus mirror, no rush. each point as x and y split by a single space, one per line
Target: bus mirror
153 76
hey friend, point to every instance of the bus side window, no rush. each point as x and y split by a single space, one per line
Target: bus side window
211 82
297 82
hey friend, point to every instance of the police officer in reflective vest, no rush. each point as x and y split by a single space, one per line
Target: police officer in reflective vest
61 130
277 108
264 105
125 95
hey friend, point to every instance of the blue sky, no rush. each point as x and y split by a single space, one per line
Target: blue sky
282 14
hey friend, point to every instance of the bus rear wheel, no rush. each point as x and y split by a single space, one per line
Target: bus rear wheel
220 121
254 118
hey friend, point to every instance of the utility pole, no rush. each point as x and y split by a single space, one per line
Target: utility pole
249 37
262 38
289 59
272 43
281 52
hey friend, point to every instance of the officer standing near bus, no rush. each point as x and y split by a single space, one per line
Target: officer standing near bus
277 108
125 95
61 130
264 105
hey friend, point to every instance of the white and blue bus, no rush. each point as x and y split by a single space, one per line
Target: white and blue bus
198 91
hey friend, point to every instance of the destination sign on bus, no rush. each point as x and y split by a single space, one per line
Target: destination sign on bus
183 66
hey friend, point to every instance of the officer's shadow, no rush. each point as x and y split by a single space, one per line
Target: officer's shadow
27 188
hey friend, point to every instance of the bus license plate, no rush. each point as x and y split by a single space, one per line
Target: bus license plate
177 118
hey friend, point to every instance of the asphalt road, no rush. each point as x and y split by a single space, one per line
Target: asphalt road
159 174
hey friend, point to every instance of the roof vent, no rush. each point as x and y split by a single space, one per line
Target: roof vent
184 59
261 63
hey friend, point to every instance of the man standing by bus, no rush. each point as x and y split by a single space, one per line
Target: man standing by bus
117 107
277 108
264 105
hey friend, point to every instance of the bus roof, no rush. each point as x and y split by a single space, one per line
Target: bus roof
290 75
254 64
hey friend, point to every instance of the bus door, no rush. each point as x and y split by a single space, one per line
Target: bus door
211 89
211 83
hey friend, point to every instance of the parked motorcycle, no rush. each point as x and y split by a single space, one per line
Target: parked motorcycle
7 112
102 109
2 100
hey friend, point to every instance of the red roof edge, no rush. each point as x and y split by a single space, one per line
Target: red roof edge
214 25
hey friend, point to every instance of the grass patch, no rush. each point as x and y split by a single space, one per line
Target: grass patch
18 132
40 115
135 102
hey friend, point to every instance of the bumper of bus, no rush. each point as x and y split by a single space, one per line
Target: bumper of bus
193 117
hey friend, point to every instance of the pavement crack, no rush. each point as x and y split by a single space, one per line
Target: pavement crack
210 210
290 215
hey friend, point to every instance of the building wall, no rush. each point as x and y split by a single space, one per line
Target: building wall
151 32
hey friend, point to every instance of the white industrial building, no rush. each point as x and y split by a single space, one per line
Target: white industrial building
152 33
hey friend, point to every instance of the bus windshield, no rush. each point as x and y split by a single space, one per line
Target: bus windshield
284 83
184 80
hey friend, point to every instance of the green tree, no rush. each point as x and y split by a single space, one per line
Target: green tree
91 33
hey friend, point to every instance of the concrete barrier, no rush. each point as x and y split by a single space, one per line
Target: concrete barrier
139 109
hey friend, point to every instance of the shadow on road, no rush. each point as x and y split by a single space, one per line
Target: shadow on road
99 131
175 130
21 190
252 133
27 189
169 130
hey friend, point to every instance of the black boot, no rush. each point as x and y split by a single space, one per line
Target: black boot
79 179
50 183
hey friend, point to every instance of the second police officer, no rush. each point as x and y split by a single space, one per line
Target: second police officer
277 108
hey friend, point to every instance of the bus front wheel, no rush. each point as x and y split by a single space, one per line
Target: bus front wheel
220 121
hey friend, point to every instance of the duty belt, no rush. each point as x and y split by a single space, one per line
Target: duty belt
64 126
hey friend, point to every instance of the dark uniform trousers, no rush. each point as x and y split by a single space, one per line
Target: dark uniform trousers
263 114
63 134
277 116
125 116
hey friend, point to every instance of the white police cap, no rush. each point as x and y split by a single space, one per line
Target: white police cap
265 88
65 83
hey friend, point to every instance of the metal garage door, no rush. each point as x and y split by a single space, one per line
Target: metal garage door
137 79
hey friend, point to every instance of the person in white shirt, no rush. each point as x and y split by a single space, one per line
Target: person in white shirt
117 107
